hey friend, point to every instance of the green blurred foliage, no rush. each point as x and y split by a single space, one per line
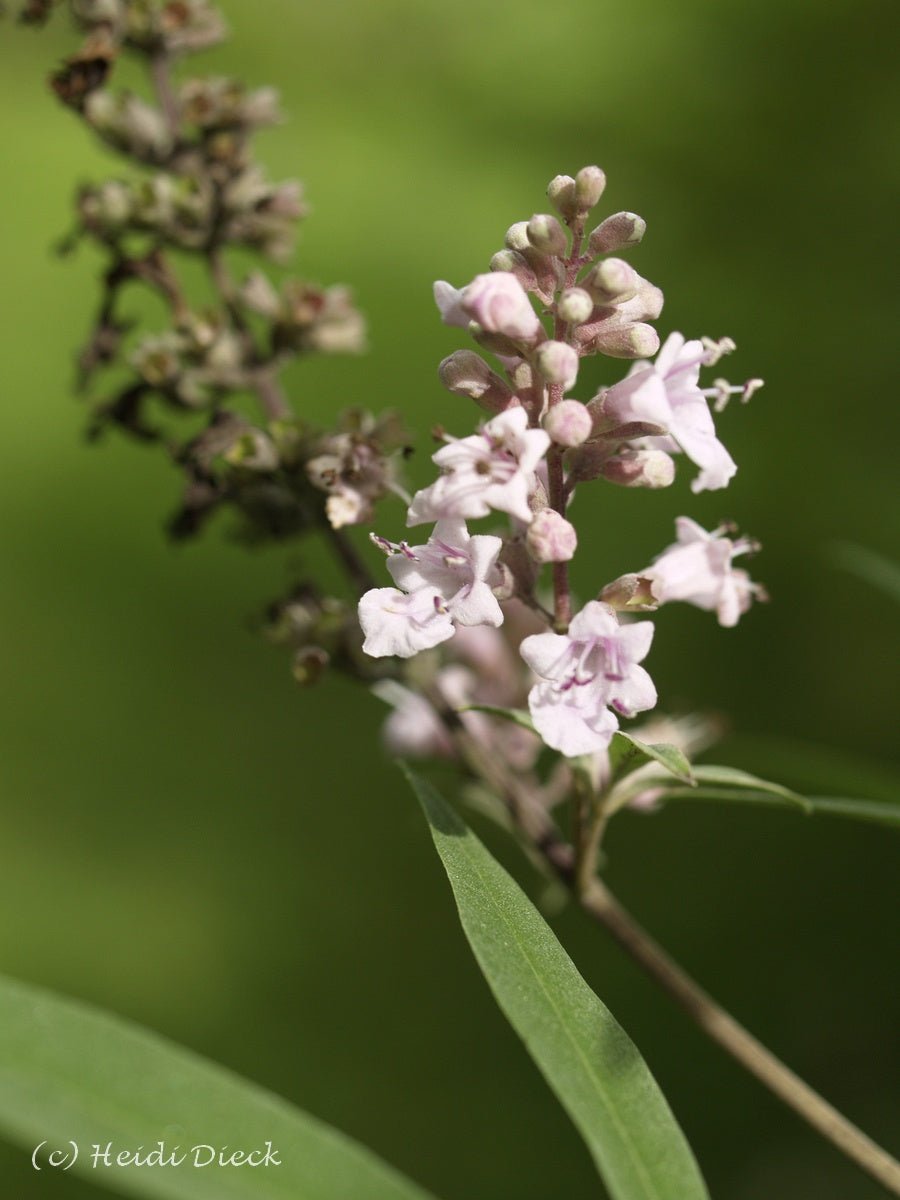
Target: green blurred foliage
190 840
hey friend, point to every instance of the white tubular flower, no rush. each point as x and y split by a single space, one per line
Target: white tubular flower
414 729
493 469
586 674
666 393
396 623
461 568
697 569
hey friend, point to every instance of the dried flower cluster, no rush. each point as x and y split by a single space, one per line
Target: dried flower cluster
199 193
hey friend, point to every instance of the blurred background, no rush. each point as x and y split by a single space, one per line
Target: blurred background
191 840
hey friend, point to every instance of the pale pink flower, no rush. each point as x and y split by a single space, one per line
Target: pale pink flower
413 729
447 298
493 469
698 569
586 674
460 567
499 303
666 393
396 623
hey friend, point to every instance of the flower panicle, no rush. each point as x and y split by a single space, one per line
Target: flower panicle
555 295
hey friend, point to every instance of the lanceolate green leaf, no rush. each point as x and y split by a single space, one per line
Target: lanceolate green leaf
69 1072
626 754
879 812
869 565
709 775
585 1056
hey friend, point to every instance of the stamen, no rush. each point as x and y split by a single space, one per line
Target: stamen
716 349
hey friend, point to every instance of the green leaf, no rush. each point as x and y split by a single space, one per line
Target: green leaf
518 716
868 565
881 812
757 791
626 754
585 1056
68 1071
730 795
728 777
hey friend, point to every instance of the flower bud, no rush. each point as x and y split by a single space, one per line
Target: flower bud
254 450
547 235
612 281
158 359
640 468
101 110
616 232
561 191
575 305
568 423
516 237
505 589
551 538
95 11
522 376
465 373
499 304
647 303
259 295
589 185
628 341
512 262
629 592
557 363
324 471
309 664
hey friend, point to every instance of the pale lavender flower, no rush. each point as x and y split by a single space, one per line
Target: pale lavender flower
413 729
448 298
396 623
499 303
462 568
493 469
496 301
586 674
666 393
698 569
